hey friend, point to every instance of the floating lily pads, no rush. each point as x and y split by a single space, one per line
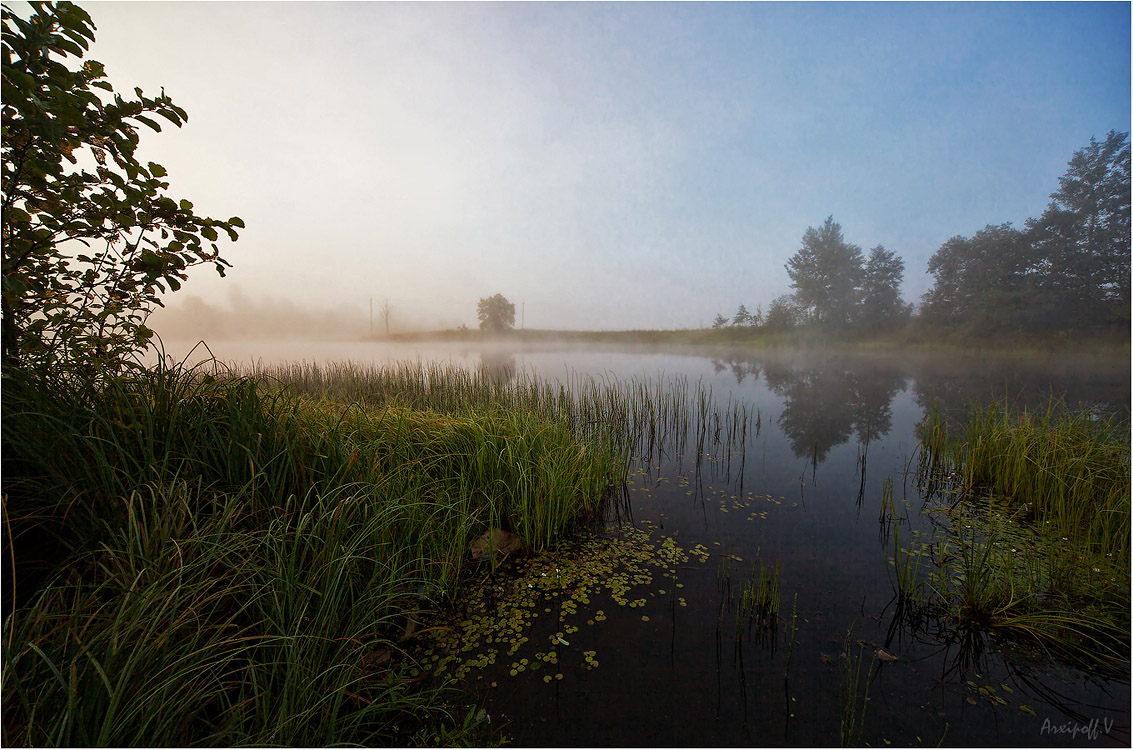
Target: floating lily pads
551 593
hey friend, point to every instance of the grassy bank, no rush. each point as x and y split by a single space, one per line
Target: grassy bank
200 559
1038 510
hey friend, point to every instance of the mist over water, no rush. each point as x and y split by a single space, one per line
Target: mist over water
803 492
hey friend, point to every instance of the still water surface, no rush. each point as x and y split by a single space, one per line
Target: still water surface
803 492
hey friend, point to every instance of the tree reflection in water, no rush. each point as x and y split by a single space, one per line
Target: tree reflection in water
498 366
826 401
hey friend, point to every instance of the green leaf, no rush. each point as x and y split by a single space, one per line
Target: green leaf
151 123
172 116
186 205
13 284
156 169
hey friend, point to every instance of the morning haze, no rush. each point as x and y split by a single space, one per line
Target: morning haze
769 359
604 166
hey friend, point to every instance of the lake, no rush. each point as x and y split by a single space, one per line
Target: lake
800 490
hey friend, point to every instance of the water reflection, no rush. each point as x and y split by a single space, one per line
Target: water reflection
497 365
827 401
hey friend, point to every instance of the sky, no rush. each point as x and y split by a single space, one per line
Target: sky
603 166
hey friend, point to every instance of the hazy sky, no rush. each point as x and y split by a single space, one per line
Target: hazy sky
611 165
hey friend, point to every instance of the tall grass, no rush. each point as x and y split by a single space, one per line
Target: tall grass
200 559
852 727
645 417
1039 507
1067 470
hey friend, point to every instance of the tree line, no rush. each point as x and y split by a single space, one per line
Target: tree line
1067 270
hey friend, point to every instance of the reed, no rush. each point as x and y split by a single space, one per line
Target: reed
791 637
1038 503
203 559
208 555
853 693
907 577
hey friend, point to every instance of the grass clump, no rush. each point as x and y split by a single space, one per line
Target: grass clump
195 558
1039 510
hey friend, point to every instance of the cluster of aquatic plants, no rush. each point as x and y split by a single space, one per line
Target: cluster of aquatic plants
1035 510
754 601
534 615
198 558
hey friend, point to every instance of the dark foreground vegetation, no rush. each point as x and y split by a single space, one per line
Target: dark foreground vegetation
195 559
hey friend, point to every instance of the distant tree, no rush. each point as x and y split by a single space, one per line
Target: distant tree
742 317
825 274
496 314
756 318
720 321
90 238
783 312
982 281
1082 240
882 305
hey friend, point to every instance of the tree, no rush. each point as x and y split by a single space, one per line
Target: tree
720 321
1082 240
496 314
90 239
825 274
784 312
882 305
742 317
982 281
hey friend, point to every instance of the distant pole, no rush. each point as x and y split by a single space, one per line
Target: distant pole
371 317
523 314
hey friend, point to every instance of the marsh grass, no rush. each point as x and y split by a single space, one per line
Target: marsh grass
855 696
205 558
1038 507
908 577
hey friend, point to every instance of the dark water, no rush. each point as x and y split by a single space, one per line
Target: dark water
804 492
677 680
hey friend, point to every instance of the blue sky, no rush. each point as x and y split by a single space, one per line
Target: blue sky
606 165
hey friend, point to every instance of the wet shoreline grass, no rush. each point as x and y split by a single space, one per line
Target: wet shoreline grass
200 558
1035 509
212 556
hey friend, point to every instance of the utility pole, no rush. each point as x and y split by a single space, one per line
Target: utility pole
523 315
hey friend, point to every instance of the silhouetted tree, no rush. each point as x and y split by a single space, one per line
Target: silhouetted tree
90 237
720 321
496 314
882 306
981 281
825 274
742 317
1082 240
783 312
1068 270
